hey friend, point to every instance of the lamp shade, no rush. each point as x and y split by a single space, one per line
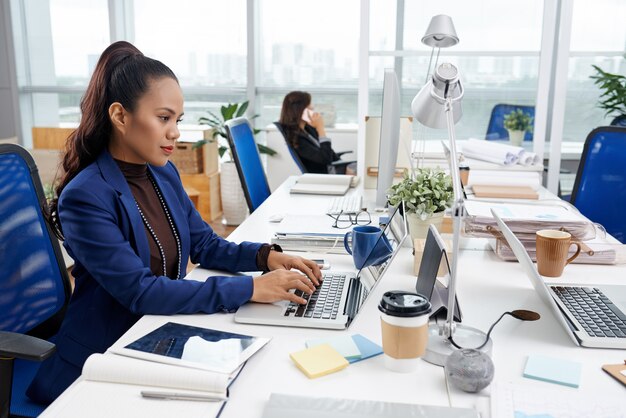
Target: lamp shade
440 32
428 105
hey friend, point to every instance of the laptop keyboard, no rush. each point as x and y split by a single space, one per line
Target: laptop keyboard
594 311
323 303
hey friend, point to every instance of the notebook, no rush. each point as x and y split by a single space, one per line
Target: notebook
331 184
602 328
343 292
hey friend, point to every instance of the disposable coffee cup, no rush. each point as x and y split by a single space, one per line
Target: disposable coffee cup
404 325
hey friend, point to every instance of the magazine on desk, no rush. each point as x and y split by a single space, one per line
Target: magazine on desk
193 347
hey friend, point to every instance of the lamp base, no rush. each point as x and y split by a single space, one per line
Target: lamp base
439 347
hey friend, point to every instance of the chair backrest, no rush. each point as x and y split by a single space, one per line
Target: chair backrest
34 284
248 161
285 162
600 188
496 129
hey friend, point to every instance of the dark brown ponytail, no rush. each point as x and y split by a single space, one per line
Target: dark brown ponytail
294 104
122 75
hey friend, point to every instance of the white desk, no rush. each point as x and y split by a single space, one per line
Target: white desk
487 287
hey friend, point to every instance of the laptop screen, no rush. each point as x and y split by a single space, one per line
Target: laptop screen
395 230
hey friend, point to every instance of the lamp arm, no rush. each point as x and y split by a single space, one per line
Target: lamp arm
458 212
443 100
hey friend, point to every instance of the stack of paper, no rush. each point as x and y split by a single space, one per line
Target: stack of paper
526 219
530 179
595 251
553 370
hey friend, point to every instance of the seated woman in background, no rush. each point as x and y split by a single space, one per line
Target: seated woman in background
304 130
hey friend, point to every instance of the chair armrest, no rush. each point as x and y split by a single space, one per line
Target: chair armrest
340 153
340 163
14 345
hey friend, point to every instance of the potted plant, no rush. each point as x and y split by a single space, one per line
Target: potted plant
613 97
426 196
518 123
231 192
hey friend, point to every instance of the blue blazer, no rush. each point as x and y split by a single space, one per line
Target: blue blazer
114 285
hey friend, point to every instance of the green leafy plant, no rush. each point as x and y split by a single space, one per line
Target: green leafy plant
517 120
428 192
613 97
49 192
217 122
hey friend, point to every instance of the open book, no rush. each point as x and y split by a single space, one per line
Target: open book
333 184
111 385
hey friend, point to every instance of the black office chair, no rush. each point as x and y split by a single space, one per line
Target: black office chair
600 187
34 284
249 167
496 130
340 165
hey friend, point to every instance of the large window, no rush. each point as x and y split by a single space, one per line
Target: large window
203 42
598 38
497 56
57 44
312 47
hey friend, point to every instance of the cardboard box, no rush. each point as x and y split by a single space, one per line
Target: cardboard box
210 156
418 245
50 137
209 202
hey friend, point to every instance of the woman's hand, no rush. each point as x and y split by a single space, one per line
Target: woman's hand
275 286
277 260
317 121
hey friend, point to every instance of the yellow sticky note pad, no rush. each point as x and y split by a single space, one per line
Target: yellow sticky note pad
319 360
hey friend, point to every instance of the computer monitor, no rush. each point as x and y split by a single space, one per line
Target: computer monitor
389 136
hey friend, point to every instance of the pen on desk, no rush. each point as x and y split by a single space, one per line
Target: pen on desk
182 396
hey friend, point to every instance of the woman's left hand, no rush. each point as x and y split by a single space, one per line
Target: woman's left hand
277 260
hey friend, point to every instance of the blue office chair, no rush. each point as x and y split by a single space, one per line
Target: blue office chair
34 284
599 189
248 161
496 129
340 165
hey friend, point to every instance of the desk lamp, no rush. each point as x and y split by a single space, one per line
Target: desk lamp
439 34
438 105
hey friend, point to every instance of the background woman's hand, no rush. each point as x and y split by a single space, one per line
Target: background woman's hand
277 260
317 121
275 285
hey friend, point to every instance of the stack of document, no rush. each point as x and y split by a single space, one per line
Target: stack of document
595 251
525 219
311 233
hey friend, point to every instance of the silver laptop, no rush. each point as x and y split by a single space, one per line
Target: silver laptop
592 315
338 300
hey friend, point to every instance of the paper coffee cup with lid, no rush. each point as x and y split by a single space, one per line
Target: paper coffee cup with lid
404 323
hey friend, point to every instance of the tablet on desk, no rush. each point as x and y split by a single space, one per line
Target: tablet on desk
189 346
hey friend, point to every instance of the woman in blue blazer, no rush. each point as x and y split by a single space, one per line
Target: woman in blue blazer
130 227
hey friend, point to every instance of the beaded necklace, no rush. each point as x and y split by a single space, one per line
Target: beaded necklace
153 234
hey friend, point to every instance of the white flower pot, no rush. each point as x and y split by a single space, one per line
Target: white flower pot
233 200
516 137
418 228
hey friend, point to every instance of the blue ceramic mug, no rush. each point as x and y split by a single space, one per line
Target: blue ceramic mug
367 249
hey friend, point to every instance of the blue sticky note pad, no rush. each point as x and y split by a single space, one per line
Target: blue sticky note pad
343 344
553 370
366 347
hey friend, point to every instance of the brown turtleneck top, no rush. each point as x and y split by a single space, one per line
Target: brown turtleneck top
146 197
